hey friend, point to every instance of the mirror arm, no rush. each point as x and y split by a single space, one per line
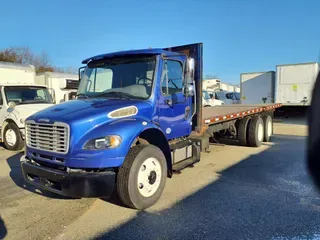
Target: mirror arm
80 72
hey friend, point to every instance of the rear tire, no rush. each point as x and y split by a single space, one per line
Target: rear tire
255 132
243 130
12 137
268 128
142 177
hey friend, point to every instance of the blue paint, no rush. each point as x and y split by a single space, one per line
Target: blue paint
88 118
156 51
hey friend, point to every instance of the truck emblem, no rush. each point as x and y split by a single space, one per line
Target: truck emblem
168 130
44 120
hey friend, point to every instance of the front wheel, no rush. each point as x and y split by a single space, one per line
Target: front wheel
12 137
142 177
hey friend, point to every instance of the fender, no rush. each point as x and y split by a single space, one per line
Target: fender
127 128
9 118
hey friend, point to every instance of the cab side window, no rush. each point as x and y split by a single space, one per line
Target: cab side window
172 77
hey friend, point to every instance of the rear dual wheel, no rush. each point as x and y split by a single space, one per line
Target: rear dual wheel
255 132
252 131
268 128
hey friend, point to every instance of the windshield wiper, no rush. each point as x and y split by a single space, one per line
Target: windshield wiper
33 102
82 95
116 94
171 80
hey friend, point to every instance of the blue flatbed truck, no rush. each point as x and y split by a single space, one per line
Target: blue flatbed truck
137 119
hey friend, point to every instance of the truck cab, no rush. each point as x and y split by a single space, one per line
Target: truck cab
129 104
138 118
20 97
17 102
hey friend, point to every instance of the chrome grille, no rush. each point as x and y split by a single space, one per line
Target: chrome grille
48 137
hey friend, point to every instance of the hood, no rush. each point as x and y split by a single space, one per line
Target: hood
89 110
25 110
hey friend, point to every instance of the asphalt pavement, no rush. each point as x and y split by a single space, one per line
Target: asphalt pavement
233 193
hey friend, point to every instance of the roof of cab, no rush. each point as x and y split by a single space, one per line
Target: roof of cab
22 85
156 51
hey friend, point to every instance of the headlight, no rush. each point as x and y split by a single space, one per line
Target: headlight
111 141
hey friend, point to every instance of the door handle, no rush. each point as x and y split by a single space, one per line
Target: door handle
169 102
187 111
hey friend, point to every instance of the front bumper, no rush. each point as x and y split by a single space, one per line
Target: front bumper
97 184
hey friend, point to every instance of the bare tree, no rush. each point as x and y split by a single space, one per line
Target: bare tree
8 56
24 55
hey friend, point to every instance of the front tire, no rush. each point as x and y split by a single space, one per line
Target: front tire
142 177
12 137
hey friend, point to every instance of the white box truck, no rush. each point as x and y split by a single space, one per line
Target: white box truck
294 83
211 84
20 97
257 87
227 87
62 86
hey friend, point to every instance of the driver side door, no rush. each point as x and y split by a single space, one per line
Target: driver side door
174 107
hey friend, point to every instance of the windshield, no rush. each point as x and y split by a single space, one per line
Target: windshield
27 94
119 78
233 95
221 95
206 95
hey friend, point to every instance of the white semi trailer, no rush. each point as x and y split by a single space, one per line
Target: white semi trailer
294 83
257 87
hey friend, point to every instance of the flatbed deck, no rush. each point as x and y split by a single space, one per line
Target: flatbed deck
212 115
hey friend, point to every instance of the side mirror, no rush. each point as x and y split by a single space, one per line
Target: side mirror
80 72
189 90
11 105
190 66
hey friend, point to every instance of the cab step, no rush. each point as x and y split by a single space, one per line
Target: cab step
184 154
184 164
